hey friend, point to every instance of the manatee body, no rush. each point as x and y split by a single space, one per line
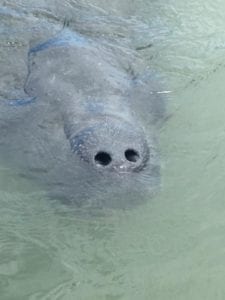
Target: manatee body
86 127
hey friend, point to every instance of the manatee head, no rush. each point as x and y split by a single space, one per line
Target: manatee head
115 163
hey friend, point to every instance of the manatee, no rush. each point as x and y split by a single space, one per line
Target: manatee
86 127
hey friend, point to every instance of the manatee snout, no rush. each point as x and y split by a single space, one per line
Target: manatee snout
111 144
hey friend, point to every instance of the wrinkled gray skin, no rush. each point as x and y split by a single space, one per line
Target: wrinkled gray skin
79 131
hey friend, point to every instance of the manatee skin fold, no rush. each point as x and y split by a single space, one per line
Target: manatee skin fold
87 129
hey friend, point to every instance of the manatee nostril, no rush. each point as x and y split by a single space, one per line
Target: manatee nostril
132 155
103 158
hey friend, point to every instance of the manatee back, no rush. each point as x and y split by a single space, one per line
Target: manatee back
70 65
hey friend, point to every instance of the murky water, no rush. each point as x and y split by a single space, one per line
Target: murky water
172 247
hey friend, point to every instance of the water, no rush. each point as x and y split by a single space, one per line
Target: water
172 247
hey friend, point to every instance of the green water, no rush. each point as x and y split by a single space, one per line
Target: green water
172 247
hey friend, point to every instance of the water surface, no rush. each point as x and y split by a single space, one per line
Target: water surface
171 247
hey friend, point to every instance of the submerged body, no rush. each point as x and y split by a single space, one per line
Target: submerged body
80 131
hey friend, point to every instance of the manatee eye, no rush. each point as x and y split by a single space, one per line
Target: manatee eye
103 158
132 155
